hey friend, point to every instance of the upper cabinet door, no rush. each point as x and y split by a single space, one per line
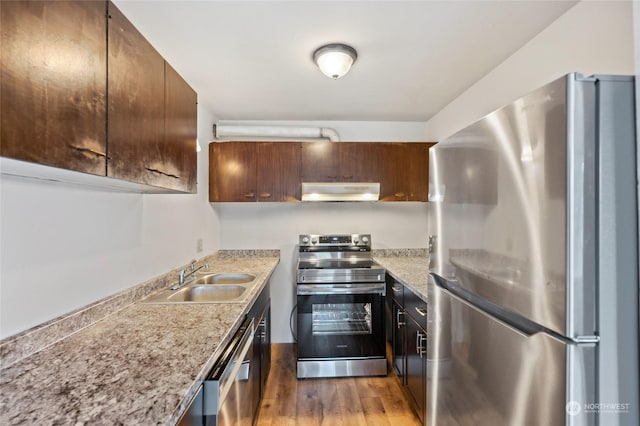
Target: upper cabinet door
319 161
232 171
54 83
404 171
417 155
278 171
359 162
181 129
136 106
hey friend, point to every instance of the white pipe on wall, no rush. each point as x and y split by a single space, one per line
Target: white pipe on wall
232 131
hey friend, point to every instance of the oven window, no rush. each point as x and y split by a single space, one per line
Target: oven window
341 318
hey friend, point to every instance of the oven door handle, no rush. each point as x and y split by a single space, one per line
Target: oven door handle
311 289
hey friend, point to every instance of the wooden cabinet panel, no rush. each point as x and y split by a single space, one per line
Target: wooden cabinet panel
404 171
232 171
359 162
340 161
53 83
273 171
181 127
135 104
254 171
417 155
278 171
319 161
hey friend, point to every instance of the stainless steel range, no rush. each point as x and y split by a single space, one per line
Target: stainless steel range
340 295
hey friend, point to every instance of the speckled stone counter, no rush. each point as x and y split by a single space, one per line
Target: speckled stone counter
138 365
410 267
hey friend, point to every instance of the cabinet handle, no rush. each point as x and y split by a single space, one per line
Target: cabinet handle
396 289
421 311
89 150
265 195
249 195
152 170
400 194
420 339
347 176
399 322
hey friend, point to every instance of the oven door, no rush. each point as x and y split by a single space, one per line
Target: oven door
333 322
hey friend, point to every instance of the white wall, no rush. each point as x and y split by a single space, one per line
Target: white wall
63 247
277 225
593 37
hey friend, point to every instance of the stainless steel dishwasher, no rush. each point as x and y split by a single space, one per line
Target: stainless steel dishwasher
228 389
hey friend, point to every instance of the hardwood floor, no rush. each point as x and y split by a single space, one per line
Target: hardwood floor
366 401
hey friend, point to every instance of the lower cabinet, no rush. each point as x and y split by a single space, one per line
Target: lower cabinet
409 345
261 361
398 348
416 365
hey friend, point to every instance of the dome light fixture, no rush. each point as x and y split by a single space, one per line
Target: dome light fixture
335 60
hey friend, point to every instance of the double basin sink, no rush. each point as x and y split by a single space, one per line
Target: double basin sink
210 288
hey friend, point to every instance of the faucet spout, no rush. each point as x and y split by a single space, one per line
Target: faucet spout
185 276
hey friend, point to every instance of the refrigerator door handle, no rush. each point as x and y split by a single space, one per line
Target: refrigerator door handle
511 319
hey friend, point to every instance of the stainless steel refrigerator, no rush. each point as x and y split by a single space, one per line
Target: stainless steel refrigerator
533 287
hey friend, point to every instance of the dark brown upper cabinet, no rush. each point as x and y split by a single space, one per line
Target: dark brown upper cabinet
136 105
83 90
319 161
278 171
274 171
339 161
254 171
232 171
179 151
359 162
54 74
404 171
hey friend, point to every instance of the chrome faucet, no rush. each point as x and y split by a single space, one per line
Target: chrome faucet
187 276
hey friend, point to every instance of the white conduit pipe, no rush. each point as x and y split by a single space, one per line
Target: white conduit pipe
230 131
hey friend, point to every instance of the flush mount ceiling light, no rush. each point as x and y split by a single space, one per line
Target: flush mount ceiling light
335 60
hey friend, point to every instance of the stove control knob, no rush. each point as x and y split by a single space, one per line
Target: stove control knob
356 241
365 240
305 240
314 240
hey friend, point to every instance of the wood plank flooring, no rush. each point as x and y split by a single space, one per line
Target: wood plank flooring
362 401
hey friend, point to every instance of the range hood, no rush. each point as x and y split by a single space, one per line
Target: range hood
340 191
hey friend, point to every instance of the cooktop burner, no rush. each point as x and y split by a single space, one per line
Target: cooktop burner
342 258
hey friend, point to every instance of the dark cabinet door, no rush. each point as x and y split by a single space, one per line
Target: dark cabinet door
416 373
181 127
54 83
417 155
359 162
398 348
278 171
232 171
265 349
136 133
319 161
404 171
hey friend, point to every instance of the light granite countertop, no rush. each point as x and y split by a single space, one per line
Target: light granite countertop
139 365
410 268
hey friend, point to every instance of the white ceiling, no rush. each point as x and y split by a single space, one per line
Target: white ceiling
251 60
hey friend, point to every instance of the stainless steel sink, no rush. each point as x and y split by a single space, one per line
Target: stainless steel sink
200 294
240 278
212 288
207 293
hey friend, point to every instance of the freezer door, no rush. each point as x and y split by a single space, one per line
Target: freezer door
513 206
482 371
